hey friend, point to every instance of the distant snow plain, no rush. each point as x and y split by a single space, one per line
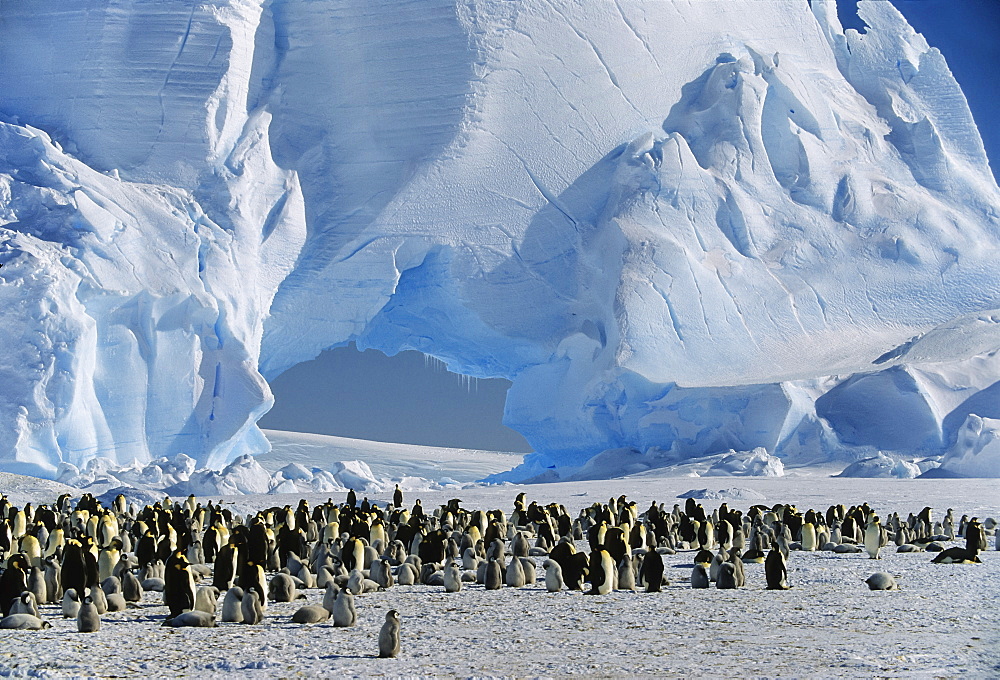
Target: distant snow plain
943 622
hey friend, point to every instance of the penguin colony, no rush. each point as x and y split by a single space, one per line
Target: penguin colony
94 560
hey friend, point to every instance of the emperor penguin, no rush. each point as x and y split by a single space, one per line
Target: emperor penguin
232 606
25 603
493 579
23 622
178 584
553 576
250 607
70 604
651 571
311 613
515 573
775 570
809 541
192 619
875 537
87 618
344 613
131 588
388 636
453 578
100 599
699 576
330 596
881 580
282 588
206 599
528 565
626 574
37 585
726 579
602 573
975 536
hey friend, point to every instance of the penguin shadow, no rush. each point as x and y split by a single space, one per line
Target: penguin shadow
333 657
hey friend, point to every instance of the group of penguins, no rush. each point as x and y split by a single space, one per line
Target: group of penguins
96 559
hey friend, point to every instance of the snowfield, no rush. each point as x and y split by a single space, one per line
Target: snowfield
943 622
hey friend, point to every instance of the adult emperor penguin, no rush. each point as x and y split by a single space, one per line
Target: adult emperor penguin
602 573
876 537
388 636
178 584
13 581
651 571
975 536
775 570
808 533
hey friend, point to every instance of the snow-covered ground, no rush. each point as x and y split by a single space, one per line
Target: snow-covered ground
943 622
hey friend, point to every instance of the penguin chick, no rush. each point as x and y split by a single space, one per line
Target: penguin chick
23 622
344 613
452 579
311 613
87 619
388 636
881 580
232 606
192 619
699 576
26 603
70 604
553 576
726 579
250 606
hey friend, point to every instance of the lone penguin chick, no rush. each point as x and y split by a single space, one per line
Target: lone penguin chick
881 580
388 636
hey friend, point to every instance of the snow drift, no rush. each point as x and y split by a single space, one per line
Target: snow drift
677 227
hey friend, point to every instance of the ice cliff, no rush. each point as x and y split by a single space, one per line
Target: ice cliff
679 228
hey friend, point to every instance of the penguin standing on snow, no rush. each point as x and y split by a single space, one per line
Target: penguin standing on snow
651 571
13 581
178 585
876 538
87 619
775 570
602 573
388 636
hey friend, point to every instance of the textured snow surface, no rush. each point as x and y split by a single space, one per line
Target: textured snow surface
678 227
941 623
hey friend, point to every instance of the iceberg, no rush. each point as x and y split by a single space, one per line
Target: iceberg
678 231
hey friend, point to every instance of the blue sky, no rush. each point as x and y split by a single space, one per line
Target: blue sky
407 399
